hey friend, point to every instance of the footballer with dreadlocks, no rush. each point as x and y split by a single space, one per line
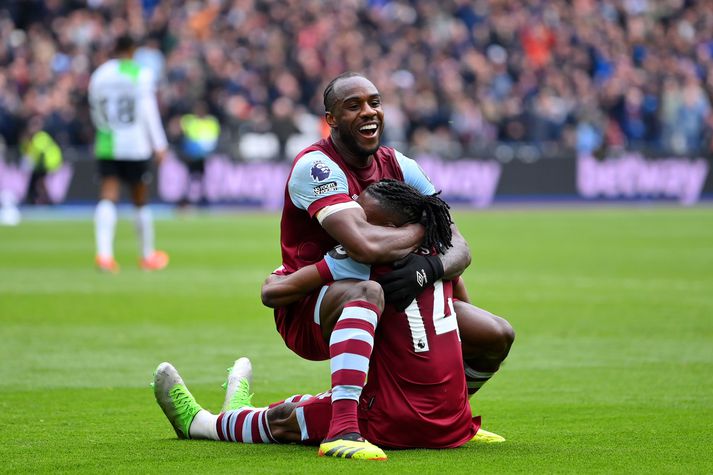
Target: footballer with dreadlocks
321 211
415 396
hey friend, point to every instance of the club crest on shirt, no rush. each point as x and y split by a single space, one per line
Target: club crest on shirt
320 171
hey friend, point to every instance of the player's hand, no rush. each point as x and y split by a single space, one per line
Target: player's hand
409 277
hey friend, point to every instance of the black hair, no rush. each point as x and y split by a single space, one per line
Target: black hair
329 96
407 202
124 44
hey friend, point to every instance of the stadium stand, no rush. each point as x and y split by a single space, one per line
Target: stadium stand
456 75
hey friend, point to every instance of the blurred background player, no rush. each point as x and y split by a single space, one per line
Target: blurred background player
128 133
200 132
9 212
416 393
44 156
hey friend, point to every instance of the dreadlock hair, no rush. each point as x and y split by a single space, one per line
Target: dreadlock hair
329 97
430 210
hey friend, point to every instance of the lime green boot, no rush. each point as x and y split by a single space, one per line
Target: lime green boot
175 399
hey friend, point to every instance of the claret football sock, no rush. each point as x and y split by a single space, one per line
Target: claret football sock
248 425
344 418
350 349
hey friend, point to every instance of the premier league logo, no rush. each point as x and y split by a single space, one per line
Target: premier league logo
320 171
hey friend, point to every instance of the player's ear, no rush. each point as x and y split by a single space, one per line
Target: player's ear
331 121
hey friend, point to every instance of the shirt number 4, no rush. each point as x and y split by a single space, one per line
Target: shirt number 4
441 322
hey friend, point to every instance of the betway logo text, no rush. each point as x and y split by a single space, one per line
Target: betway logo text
631 176
473 181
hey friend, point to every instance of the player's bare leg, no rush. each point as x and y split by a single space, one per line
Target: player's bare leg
105 224
151 259
349 314
486 340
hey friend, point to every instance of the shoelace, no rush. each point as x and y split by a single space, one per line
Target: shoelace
242 391
242 394
181 399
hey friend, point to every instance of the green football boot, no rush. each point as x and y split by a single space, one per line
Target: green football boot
175 399
237 386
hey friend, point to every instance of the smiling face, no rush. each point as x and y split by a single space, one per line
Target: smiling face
357 119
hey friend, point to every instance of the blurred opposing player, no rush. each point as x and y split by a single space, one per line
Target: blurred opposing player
201 131
128 134
320 212
416 393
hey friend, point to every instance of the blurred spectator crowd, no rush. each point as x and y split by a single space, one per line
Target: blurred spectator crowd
458 77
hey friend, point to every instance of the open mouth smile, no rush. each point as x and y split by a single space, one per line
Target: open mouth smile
369 130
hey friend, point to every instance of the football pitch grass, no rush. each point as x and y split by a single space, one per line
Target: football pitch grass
611 371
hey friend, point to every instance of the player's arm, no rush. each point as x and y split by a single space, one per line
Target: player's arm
456 259
410 275
148 105
318 186
281 290
368 243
